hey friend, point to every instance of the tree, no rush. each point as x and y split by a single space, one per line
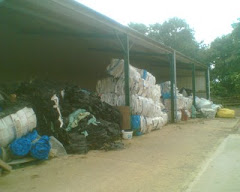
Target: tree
140 27
174 33
224 53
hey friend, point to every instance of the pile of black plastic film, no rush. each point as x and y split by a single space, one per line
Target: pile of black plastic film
38 94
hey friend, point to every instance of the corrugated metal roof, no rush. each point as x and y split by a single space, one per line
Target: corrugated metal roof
72 15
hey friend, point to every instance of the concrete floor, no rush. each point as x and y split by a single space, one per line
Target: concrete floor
166 160
221 172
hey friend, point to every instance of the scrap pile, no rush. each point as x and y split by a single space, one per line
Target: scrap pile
76 117
184 104
146 106
206 108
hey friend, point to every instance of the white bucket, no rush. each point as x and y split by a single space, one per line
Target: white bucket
127 134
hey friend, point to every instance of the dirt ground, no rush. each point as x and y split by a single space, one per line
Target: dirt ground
166 160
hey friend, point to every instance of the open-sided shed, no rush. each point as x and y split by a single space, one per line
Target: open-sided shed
66 41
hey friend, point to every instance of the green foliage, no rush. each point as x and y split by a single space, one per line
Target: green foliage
141 28
174 33
224 53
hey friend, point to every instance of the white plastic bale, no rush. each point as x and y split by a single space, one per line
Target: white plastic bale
188 102
182 102
143 124
188 113
208 113
113 99
149 77
203 103
16 125
116 67
178 118
108 98
144 106
139 105
148 124
141 88
166 87
106 85
165 118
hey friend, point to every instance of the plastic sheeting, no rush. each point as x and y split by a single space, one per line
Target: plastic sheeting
182 102
226 113
16 125
166 89
139 87
145 95
140 105
41 148
116 69
207 108
208 113
203 103
147 124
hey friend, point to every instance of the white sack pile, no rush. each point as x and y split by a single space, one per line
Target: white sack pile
145 95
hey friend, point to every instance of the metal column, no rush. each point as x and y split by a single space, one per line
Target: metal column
194 85
126 69
207 77
173 86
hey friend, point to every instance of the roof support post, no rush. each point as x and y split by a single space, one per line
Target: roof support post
194 84
207 77
126 69
173 87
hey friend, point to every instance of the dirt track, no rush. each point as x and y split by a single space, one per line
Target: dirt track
165 160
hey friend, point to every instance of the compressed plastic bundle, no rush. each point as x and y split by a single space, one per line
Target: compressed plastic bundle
145 107
181 101
113 99
226 113
116 69
106 85
139 105
165 118
109 98
141 88
16 125
208 113
166 90
147 76
136 122
188 102
184 102
41 148
203 103
147 124
22 146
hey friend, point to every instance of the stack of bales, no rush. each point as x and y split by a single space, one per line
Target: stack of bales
184 104
146 106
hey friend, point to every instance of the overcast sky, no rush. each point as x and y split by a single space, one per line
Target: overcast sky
209 18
